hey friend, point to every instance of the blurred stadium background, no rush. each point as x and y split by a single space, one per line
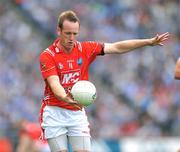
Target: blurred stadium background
138 105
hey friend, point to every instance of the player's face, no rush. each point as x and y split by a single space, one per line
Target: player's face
68 35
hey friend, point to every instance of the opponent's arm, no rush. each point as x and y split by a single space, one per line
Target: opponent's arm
177 70
25 143
130 45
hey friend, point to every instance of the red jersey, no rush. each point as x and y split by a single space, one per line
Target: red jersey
69 67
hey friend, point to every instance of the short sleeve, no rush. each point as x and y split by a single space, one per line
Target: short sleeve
96 48
47 65
93 49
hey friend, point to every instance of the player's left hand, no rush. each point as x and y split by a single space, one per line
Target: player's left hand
159 39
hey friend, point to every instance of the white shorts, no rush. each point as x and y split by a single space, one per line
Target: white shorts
57 121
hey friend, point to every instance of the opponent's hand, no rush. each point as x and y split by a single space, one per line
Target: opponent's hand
159 39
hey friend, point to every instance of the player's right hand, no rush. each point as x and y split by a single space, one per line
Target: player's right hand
69 99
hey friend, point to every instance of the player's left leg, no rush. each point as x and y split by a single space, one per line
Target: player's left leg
58 144
80 143
79 132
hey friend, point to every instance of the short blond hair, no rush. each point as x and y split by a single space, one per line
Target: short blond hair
67 15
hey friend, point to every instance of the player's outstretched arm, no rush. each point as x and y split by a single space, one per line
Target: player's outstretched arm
130 45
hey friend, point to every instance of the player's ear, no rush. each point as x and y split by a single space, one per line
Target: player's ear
58 30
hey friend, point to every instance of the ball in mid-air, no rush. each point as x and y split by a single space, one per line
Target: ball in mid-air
84 92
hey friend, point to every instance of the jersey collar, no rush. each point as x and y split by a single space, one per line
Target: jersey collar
59 50
56 48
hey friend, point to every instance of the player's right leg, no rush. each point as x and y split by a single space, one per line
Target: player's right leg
54 125
58 144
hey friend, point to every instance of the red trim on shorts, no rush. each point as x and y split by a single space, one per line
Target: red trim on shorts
41 119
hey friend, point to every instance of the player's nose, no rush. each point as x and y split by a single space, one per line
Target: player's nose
72 37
